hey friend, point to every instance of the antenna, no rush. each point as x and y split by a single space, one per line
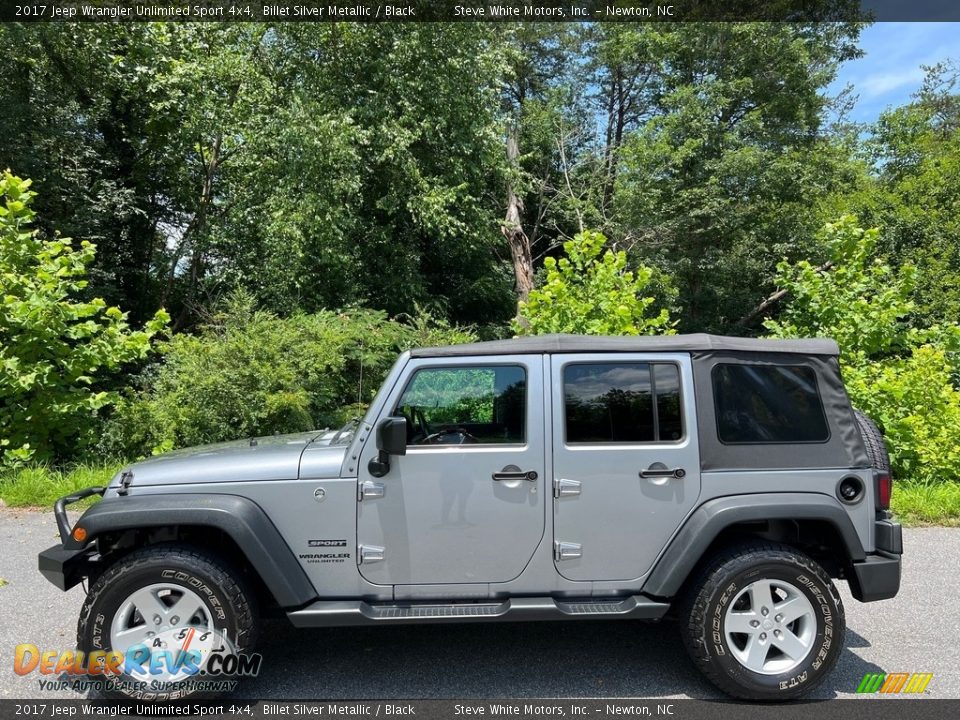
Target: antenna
360 389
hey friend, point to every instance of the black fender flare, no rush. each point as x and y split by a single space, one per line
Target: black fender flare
240 518
704 524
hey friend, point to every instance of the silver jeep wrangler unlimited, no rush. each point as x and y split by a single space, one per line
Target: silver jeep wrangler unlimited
723 480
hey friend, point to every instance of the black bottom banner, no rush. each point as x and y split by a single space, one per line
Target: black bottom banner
852 709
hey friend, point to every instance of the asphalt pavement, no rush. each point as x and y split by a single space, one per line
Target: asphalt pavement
918 631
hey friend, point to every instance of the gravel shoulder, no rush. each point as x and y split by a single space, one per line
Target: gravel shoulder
915 632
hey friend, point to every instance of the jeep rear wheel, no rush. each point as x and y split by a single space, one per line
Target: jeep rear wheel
171 601
764 622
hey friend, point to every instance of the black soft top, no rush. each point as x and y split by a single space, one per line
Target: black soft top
699 342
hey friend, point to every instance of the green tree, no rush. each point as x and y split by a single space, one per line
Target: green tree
897 371
591 292
915 151
56 349
247 372
731 161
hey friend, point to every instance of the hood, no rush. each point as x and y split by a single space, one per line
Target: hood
275 457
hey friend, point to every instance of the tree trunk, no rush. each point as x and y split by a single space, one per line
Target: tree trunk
512 229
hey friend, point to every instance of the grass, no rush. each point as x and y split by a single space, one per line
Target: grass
914 503
40 486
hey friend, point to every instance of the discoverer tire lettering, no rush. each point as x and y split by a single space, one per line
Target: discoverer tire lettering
705 609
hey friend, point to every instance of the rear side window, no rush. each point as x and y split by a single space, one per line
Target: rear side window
768 404
622 402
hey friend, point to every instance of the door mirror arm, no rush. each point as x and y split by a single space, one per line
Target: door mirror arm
391 440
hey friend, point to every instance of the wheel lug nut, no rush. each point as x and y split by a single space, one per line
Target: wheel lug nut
156 620
754 623
763 636
764 611
174 620
150 633
779 618
777 633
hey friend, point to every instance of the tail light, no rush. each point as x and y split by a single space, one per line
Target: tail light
884 490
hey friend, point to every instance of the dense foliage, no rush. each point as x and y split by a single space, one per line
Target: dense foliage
357 188
249 373
590 291
896 370
56 349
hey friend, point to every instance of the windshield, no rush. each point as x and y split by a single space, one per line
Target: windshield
344 435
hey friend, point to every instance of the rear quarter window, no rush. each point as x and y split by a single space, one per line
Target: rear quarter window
758 404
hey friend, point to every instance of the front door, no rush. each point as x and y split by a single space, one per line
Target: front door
626 460
466 502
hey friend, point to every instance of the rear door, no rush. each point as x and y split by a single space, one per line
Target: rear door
626 460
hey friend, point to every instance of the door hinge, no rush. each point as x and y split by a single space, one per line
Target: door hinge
565 488
567 551
370 554
369 490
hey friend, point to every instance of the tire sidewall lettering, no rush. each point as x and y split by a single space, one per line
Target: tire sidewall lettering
106 605
825 610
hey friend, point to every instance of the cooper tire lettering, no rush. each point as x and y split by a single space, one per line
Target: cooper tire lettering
230 603
727 576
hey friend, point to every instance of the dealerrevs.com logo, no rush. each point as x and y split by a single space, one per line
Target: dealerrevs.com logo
177 661
894 683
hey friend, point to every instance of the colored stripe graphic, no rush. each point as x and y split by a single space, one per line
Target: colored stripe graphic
918 682
871 683
894 683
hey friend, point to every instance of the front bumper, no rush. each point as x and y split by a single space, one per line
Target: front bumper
878 576
67 564
65 568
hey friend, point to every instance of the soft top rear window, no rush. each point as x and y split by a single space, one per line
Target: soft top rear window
768 404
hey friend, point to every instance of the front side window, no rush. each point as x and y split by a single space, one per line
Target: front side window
768 404
465 405
622 402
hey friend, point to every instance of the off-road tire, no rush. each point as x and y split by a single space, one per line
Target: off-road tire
715 586
873 439
231 604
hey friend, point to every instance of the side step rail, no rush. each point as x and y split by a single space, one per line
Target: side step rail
330 613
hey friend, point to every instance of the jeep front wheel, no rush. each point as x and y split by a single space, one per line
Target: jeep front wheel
764 622
167 609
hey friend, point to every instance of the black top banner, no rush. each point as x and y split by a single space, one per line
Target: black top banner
637 11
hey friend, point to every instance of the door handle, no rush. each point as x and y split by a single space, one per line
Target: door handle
511 472
663 472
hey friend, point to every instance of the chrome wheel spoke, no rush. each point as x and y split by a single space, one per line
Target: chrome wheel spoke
793 608
761 595
739 622
185 608
149 604
144 617
756 653
791 645
125 639
779 616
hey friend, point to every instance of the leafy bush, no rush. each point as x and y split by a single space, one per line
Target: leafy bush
56 349
591 292
251 373
899 374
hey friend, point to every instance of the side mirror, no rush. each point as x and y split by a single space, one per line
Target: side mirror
391 440
392 436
